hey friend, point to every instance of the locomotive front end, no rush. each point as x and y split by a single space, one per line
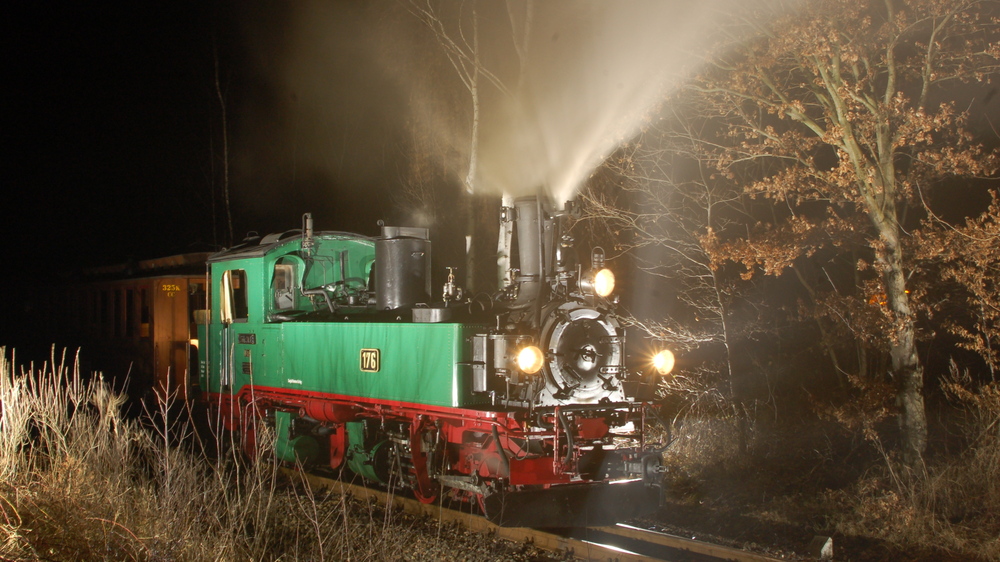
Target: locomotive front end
556 360
558 340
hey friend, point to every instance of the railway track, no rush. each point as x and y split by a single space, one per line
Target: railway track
618 543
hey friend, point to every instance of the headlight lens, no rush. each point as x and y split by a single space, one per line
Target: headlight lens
604 282
530 359
663 362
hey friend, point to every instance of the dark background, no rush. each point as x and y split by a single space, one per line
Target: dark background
113 130
113 145
107 131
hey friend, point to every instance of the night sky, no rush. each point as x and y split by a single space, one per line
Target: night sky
113 142
112 135
107 125
114 128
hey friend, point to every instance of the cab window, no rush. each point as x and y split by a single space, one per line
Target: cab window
282 287
234 296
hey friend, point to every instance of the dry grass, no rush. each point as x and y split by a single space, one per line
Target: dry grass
952 503
83 482
709 427
78 481
711 434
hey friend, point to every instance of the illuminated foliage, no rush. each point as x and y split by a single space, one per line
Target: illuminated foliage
815 137
835 110
966 260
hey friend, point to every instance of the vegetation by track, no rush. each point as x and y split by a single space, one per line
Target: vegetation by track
81 481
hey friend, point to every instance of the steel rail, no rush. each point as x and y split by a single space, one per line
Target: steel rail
583 544
674 543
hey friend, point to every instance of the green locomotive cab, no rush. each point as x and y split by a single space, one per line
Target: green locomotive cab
301 312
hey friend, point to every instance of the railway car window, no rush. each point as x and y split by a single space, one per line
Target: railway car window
79 307
234 296
129 313
282 285
105 319
197 302
143 313
116 313
91 317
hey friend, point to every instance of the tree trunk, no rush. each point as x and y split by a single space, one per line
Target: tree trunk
470 178
470 244
907 371
225 154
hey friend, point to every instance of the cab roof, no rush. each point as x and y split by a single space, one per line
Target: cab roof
256 246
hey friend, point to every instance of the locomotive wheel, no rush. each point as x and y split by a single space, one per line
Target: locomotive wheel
236 434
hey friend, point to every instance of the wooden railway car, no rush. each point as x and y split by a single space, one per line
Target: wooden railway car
135 322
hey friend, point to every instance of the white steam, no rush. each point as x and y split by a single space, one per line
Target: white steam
364 94
594 73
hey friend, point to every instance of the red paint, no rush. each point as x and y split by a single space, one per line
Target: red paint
466 435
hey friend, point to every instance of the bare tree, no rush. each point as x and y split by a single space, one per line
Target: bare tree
460 42
837 109
458 34
224 126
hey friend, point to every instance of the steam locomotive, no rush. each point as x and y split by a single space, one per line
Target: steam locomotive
518 402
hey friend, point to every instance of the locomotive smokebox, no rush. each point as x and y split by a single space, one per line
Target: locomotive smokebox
402 267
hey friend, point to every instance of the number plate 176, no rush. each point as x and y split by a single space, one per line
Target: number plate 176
371 360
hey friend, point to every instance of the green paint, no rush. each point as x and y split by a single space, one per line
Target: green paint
302 448
371 464
417 363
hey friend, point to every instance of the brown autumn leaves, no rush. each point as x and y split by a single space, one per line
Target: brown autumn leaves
817 141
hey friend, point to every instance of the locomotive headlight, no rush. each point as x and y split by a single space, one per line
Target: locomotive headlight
604 282
663 362
530 359
600 282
